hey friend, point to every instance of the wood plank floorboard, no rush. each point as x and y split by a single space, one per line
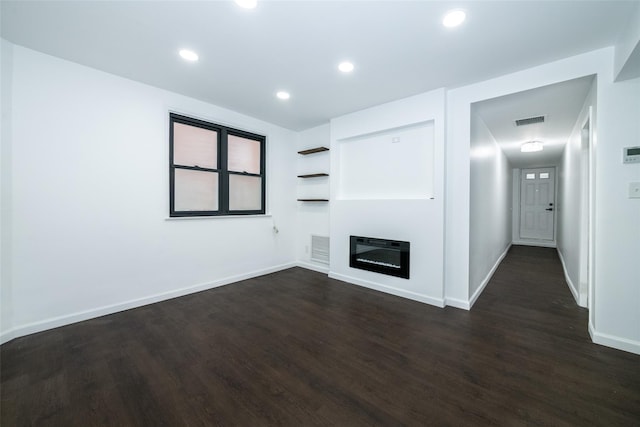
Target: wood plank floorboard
296 348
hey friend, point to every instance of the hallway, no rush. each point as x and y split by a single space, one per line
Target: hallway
541 330
530 291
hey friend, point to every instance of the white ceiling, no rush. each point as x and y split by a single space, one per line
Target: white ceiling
560 104
399 48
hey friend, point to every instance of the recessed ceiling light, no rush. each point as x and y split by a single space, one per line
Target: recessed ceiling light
247 4
189 55
453 18
531 147
345 67
283 95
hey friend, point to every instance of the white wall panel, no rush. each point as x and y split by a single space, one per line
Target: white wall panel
490 204
90 196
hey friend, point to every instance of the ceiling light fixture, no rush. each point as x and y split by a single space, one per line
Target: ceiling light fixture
345 67
247 4
454 18
283 95
189 55
531 147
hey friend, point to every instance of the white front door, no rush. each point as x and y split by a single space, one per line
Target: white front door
537 203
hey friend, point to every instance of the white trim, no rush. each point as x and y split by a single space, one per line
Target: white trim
591 256
68 319
572 287
7 336
457 303
539 243
487 279
584 278
613 341
314 267
438 302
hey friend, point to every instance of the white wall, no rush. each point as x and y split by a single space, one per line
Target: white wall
391 215
313 217
570 202
89 198
627 48
6 299
490 207
615 317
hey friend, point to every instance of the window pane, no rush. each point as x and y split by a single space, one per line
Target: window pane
544 175
531 176
195 190
245 193
194 146
244 154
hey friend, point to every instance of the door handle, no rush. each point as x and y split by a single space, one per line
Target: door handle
549 209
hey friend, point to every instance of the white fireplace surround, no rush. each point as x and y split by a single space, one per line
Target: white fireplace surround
404 146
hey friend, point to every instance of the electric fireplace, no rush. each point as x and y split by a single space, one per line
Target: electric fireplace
383 256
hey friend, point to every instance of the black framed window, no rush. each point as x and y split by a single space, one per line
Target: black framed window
214 169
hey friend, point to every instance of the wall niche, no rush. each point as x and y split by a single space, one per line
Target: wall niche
390 164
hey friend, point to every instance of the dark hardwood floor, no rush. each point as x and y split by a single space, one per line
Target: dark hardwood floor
295 348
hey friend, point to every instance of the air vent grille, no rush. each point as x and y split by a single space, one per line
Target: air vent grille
529 121
320 249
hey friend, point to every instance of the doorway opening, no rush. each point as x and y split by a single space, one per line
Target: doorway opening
541 198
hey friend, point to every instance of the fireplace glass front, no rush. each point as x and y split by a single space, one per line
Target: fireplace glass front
383 256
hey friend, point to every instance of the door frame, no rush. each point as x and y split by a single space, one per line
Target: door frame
586 297
515 210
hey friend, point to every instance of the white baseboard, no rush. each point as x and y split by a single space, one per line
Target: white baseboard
457 303
572 287
80 316
7 336
542 243
438 302
613 341
488 277
314 267
466 305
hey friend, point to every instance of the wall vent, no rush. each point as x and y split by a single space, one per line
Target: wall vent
529 121
320 249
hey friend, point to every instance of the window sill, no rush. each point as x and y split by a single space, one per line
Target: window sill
181 218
